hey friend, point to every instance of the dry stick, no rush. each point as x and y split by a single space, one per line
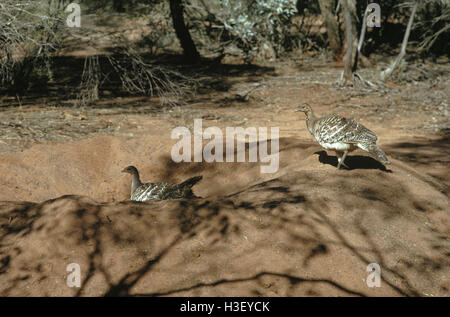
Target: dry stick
338 6
18 99
361 40
360 43
386 73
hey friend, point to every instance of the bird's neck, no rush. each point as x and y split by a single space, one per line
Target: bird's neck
135 182
310 121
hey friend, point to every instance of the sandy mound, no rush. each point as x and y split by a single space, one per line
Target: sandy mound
309 229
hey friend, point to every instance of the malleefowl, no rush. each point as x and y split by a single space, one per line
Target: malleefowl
160 190
342 135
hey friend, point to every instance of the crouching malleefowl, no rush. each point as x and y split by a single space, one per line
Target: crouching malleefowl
342 135
161 190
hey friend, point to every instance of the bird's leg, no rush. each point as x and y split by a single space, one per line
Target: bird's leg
341 159
338 155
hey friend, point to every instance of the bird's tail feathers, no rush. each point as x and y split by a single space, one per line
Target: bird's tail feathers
377 152
191 181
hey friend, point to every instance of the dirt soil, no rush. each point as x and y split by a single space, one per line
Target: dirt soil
306 230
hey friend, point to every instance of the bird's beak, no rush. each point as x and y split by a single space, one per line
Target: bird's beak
297 110
123 171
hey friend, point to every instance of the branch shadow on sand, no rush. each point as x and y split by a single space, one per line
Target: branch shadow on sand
303 233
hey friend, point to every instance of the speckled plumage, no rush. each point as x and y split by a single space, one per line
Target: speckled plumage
342 135
160 190
333 128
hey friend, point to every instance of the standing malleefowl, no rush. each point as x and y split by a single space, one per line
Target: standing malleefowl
161 190
342 135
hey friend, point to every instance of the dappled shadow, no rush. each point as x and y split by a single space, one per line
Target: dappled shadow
431 156
285 206
18 218
301 233
423 151
273 205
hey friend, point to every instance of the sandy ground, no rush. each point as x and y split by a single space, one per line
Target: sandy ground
306 230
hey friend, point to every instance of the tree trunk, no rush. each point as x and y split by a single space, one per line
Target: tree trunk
349 42
352 7
189 49
327 10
